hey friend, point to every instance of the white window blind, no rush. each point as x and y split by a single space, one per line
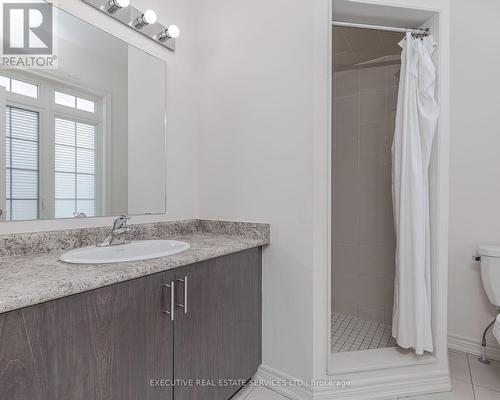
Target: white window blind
74 168
21 132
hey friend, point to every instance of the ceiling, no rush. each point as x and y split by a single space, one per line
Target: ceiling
362 12
358 48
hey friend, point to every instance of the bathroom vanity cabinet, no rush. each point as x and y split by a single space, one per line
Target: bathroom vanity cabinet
119 342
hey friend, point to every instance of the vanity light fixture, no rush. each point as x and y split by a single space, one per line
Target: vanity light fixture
172 32
148 17
143 22
114 5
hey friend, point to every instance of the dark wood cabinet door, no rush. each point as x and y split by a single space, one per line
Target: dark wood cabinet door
107 344
18 377
218 342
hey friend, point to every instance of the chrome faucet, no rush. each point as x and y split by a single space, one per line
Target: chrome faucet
79 215
119 233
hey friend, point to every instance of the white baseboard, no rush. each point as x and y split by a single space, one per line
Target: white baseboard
469 345
267 374
374 389
391 388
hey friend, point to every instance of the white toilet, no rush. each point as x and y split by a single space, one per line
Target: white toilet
490 274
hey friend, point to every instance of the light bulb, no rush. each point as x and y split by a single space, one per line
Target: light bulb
150 17
122 3
114 5
147 18
172 32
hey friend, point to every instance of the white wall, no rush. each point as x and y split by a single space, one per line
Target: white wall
475 163
256 132
182 120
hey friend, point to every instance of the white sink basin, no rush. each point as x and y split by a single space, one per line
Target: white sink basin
134 251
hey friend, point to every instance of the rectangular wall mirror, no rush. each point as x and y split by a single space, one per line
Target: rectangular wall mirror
86 138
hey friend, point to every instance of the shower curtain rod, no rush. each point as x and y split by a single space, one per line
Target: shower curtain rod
380 27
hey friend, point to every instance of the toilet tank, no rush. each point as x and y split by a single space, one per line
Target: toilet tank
490 272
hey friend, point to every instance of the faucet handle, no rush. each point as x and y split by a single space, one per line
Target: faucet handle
79 215
120 222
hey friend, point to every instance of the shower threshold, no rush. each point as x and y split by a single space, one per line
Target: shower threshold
353 334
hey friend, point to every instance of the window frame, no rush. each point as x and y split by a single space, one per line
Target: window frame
94 116
22 78
48 110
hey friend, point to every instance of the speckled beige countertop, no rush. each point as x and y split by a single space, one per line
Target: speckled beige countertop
31 273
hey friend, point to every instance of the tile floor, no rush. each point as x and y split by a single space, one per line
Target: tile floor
470 380
352 334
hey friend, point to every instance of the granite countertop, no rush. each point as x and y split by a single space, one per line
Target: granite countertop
31 278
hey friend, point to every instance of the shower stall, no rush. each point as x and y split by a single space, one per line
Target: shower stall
374 331
385 117
366 71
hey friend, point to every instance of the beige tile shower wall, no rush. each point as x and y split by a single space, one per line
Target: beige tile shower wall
363 227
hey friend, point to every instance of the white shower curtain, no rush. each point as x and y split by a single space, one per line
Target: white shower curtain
416 120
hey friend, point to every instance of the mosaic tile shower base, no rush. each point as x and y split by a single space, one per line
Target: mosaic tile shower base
354 334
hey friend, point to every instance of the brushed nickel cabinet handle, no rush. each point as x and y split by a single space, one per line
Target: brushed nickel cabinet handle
185 291
170 312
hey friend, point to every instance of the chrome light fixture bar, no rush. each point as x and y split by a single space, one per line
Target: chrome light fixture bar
143 22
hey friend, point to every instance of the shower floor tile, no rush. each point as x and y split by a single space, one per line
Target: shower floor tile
353 334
